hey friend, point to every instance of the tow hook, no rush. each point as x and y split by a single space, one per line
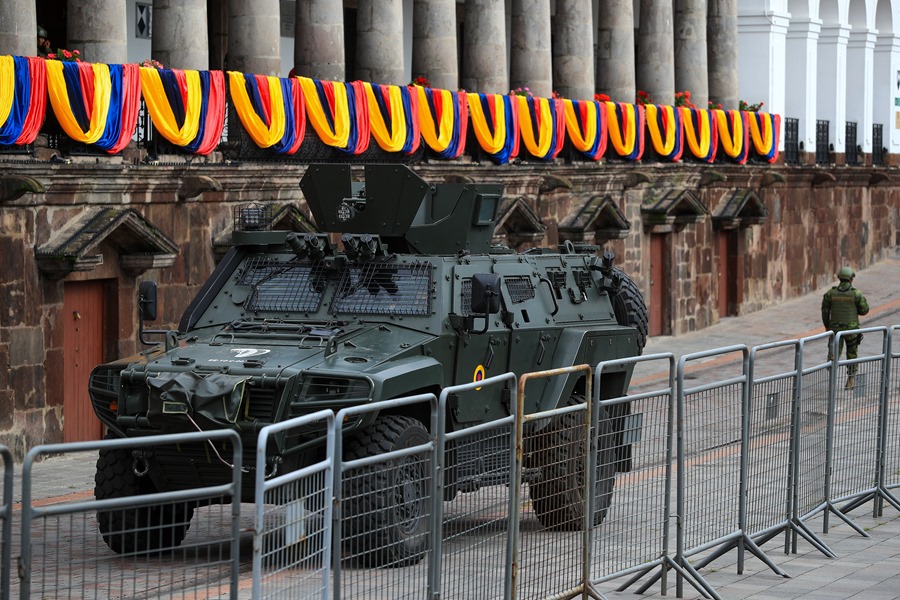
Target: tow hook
272 467
140 466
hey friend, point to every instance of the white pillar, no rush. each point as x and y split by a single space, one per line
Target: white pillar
832 85
886 59
762 36
801 72
860 82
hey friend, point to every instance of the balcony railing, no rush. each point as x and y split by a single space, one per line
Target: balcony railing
851 151
792 141
878 151
822 142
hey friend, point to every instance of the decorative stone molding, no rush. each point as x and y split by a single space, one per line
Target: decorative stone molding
518 224
671 211
13 187
599 220
75 247
194 185
741 209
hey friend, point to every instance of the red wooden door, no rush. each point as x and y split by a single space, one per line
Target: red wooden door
658 287
82 350
730 275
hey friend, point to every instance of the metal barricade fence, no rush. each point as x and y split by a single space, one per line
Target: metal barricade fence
773 397
554 456
811 430
713 437
66 548
854 426
635 537
891 432
6 522
383 499
473 531
292 527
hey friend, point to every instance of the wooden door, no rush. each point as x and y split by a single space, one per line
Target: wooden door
82 350
658 284
730 273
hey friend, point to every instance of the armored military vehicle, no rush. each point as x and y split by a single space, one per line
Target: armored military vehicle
413 298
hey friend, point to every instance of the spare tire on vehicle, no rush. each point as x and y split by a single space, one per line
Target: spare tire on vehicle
629 307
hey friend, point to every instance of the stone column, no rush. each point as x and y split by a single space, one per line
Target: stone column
722 56
379 41
97 28
887 60
319 40
690 50
861 83
484 53
18 28
573 49
615 50
434 52
254 36
531 59
180 38
831 88
762 59
656 51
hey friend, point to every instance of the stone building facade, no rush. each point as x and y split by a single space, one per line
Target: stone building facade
79 233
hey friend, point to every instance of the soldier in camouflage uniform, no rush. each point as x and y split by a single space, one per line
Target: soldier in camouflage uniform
842 306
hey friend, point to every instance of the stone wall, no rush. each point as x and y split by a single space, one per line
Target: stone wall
817 219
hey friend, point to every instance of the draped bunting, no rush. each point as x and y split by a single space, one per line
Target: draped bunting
339 112
665 129
494 120
586 126
765 131
734 134
186 107
392 117
271 110
542 126
700 133
442 120
23 98
95 103
98 104
626 129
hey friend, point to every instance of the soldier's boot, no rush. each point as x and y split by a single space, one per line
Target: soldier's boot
851 381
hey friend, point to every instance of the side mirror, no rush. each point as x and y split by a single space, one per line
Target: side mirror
486 293
147 301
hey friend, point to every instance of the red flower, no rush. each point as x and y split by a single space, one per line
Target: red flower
51 56
601 98
76 52
67 54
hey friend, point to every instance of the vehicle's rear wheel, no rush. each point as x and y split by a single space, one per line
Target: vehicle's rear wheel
558 497
630 309
136 529
388 505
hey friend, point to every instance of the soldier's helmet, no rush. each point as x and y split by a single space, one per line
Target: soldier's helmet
846 274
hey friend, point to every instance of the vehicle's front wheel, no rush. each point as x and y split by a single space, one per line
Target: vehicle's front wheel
136 529
558 497
387 504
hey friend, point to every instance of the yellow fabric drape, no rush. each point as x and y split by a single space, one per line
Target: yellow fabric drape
438 136
622 137
263 135
395 139
762 140
582 143
59 99
665 147
732 140
699 147
541 146
492 143
7 86
339 136
161 112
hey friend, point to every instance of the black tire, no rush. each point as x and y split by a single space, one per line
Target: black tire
149 529
630 309
558 496
387 506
